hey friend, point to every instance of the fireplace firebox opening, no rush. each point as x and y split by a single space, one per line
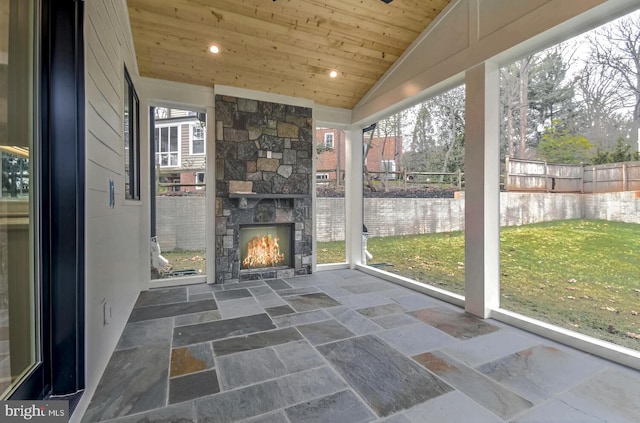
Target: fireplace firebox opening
266 246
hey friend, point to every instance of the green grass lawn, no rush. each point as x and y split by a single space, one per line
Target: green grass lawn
580 274
184 260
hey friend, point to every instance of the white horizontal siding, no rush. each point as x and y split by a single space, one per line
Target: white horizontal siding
116 238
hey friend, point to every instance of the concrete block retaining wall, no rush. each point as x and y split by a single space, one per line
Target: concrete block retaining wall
181 219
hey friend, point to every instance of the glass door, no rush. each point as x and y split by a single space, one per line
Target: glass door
178 192
18 296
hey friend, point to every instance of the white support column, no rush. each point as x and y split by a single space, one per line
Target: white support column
482 191
353 196
210 197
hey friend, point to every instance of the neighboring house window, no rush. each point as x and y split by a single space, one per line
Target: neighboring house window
198 143
200 179
328 140
322 176
389 166
168 146
131 140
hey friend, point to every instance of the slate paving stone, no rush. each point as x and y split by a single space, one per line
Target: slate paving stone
490 347
278 284
203 296
179 413
301 318
416 339
335 291
195 385
277 417
255 341
210 331
298 356
249 367
203 287
539 372
270 300
354 321
308 302
233 294
493 396
551 411
142 387
387 380
147 332
298 291
339 407
365 287
323 332
610 395
459 324
416 301
240 307
279 310
397 418
161 296
268 396
358 301
382 310
452 407
169 310
391 321
191 359
241 285
261 290
191 319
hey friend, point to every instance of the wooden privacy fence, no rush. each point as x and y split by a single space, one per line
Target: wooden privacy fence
533 175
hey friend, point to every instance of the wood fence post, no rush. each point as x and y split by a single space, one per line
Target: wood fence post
594 183
546 177
507 170
625 186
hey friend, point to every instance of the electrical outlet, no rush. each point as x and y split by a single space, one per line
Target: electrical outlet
268 154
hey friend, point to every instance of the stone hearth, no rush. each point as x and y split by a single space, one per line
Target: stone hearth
264 162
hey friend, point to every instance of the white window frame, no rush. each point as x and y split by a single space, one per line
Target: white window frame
192 127
322 176
179 152
327 143
204 180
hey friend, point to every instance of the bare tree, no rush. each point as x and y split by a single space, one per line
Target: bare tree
615 49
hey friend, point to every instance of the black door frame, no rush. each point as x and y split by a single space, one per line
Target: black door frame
61 252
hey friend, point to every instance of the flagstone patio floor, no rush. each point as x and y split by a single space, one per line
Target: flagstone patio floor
344 347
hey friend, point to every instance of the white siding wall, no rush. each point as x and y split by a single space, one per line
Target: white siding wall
116 243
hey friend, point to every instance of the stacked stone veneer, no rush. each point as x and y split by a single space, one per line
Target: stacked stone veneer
262 148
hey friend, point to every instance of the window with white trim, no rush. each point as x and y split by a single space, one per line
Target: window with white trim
167 146
322 176
200 180
197 141
328 139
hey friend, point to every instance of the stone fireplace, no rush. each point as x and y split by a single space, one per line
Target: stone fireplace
264 154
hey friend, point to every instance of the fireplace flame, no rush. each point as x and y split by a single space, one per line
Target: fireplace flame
263 251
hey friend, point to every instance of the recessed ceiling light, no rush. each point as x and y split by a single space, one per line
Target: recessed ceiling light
333 74
214 49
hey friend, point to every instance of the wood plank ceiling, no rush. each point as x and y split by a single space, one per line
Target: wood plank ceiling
281 46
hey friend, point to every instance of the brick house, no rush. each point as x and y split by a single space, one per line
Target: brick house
385 154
